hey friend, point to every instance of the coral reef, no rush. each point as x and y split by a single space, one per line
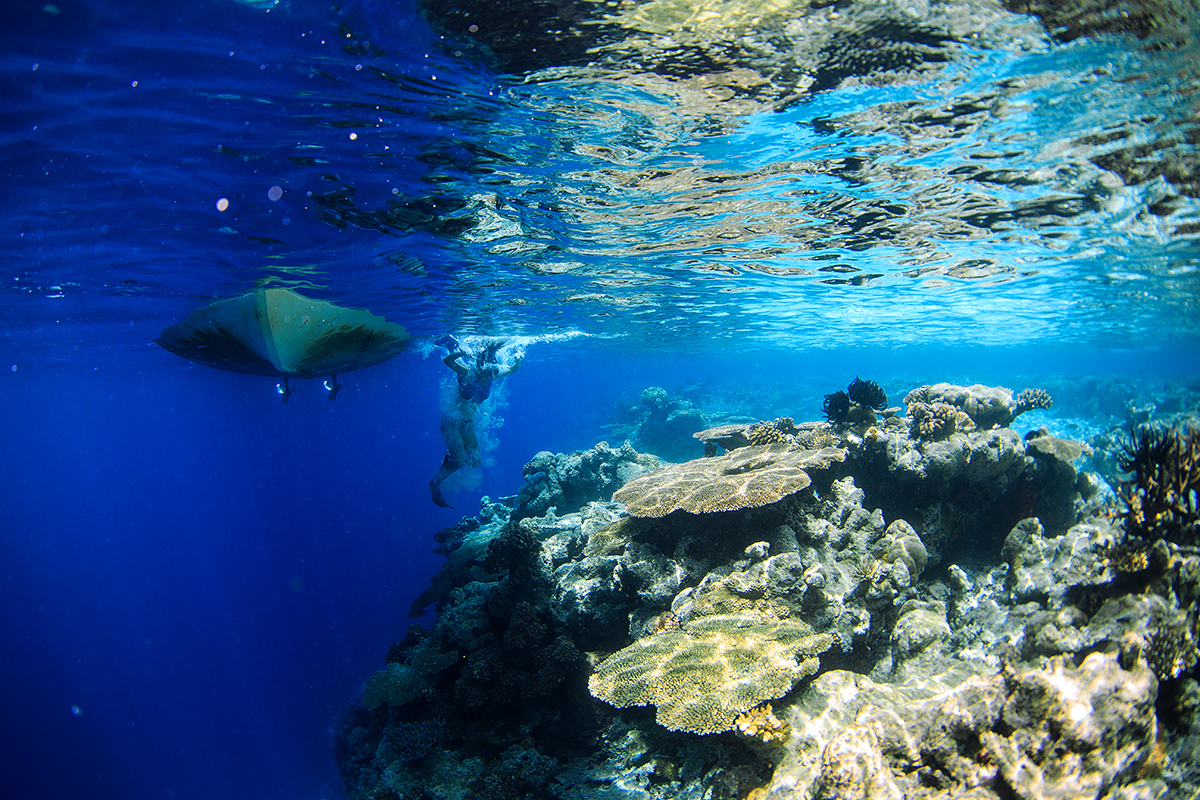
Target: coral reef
855 406
702 677
568 482
1030 399
761 725
867 393
956 615
660 424
943 408
1171 652
937 420
1057 730
986 406
1163 495
746 478
836 407
774 432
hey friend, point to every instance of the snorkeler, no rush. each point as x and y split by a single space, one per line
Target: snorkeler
477 372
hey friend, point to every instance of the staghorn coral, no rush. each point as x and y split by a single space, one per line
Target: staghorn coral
703 677
745 478
1171 651
1030 399
1163 495
867 393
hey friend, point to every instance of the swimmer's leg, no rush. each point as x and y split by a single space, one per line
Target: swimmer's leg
449 466
471 445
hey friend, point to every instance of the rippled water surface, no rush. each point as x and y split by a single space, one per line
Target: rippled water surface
847 177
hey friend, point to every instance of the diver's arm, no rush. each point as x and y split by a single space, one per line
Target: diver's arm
451 361
509 369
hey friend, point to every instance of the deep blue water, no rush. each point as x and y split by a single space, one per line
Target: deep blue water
196 578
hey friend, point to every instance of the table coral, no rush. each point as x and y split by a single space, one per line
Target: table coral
745 478
702 677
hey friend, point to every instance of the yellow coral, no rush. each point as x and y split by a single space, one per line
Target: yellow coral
701 678
1127 557
760 723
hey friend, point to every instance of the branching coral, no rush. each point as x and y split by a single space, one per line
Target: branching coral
761 724
785 425
765 433
986 407
1163 494
1171 651
1127 556
1030 399
936 420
